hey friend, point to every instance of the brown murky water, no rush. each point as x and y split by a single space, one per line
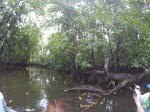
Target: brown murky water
29 89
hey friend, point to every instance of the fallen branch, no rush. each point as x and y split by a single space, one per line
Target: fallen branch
87 88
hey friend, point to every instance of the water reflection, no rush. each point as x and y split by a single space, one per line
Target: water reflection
42 104
30 89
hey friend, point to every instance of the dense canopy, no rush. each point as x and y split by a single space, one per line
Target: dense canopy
86 32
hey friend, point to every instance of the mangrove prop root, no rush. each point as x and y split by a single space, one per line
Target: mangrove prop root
123 78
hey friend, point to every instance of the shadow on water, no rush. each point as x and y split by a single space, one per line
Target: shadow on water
30 89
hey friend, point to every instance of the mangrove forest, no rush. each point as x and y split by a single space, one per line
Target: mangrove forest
104 42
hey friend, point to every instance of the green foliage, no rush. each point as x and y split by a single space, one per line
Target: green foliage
94 30
57 52
87 33
26 44
19 37
82 63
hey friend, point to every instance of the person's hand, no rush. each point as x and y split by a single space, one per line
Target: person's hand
137 98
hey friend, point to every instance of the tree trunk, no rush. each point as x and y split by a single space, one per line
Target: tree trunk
118 40
92 45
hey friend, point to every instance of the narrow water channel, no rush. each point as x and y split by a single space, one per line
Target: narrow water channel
29 89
